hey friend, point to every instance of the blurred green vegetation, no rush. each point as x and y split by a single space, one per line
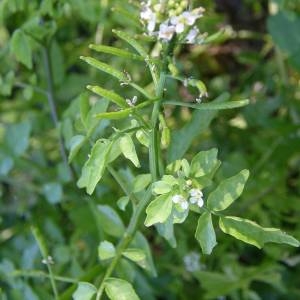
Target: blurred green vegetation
42 82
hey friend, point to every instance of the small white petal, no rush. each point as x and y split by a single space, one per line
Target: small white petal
177 198
179 27
192 35
184 204
194 200
200 202
166 32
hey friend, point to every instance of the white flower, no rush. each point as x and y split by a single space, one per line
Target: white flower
192 262
200 202
166 31
149 16
131 102
179 199
192 35
196 193
192 16
196 197
184 205
187 18
178 22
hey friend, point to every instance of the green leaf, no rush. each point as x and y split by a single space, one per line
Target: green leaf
105 68
119 289
227 191
210 106
159 210
131 41
141 182
122 202
6 164
136 255
116 52
141 242
182 138
17 137
20 47
166 230
106 250
142 137
115 115
252 233
53 192
128 149
76 143
161 187
110 221
204 162
94 167
205 233
109 95
84 107
85 291
91 122
277 25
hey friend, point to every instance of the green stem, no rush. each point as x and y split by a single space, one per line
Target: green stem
44 251
52 105
126 239
122 184
41 274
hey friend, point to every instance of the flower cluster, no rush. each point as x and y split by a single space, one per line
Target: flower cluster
178 20
195 197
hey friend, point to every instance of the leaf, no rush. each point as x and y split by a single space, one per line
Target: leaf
6 164
119 289
210 106
53 192
116 115
105 68
122 202
181 139
205 233
20 47
17 137
94 167
142 137
166 230
227 191
136 255
109 95
158 210
128 149
84 107
204 162
252 233
85 291
110 221
91 122
76 143
106 250
116 51
161 187
141 242
141 182
277 25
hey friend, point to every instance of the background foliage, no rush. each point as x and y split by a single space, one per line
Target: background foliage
256 57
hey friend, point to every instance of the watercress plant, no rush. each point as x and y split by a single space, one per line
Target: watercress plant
167 190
